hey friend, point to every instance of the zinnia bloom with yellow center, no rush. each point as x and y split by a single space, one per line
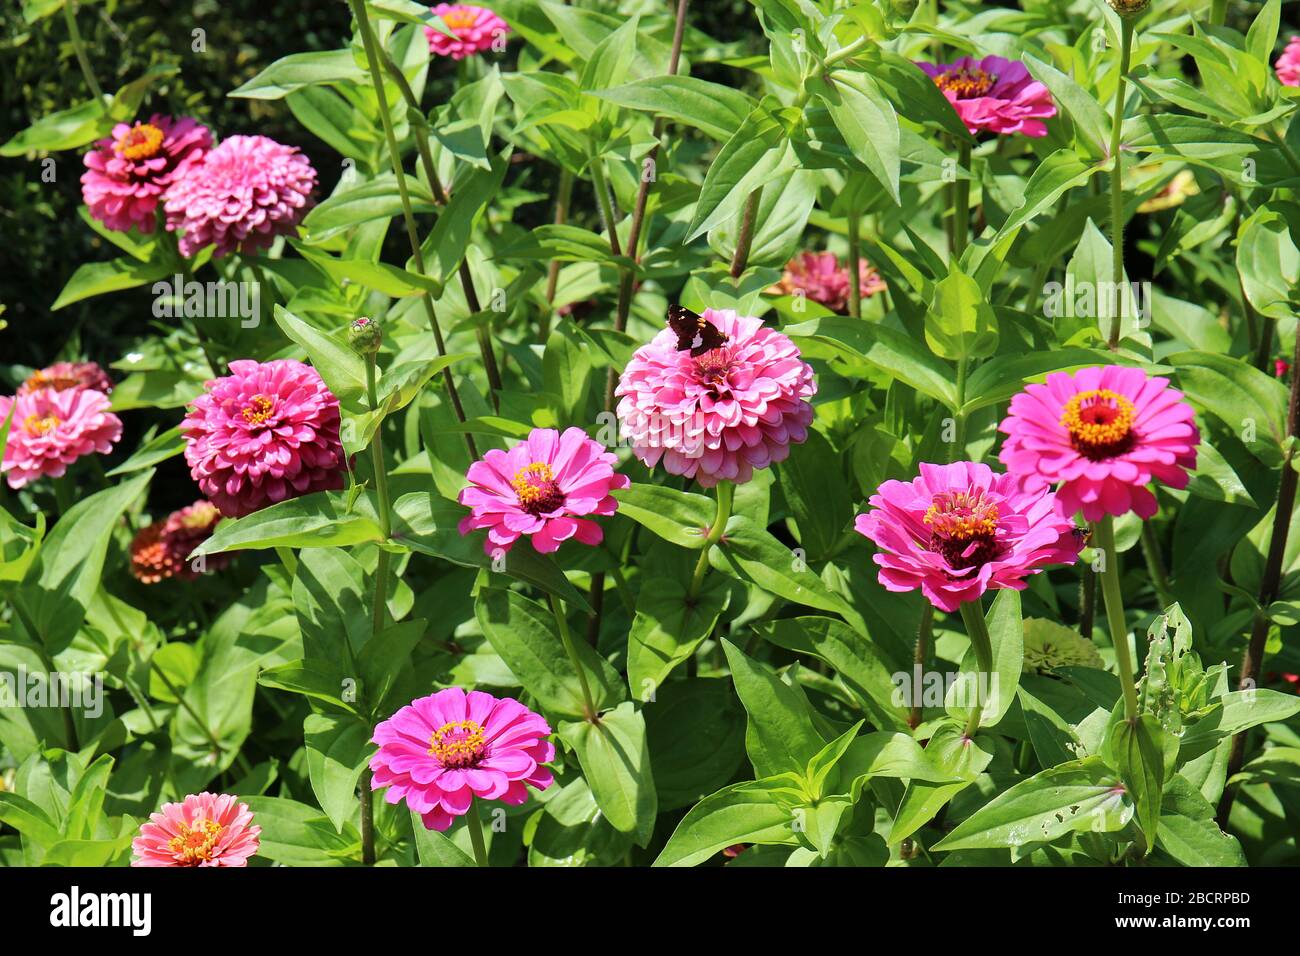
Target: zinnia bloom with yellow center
205 829
159 551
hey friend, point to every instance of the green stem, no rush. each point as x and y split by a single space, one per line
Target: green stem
1117 181
746 238
1087 600
562 622
920 656
1218 12
843 53
408 212
1156 565
606 206
726 491
475 826
961 201
855 271
79 45
973 614
562 200
288 559
1111 594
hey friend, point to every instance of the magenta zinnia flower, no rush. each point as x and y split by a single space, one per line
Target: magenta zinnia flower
1287 66
475 29
440 752
127 173
64 375
824 279
266 432
159 551
242 195
994 95
206 829
717 416
51 429
1101 435
960 530
541 488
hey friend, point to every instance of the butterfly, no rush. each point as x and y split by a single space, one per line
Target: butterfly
694 331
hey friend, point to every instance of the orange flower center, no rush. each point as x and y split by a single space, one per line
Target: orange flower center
141 141
258 410
193 845
35 424
458 744
966 83
459 19
1100 423
963 527
536 488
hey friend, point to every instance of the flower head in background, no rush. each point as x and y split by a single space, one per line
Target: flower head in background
127 173
824 279
159 551
205 829
1287 66
542 488
1049 645
51 429
717 416
440 752
959 530
266 432
65 375
475 29
243 194
1101 436
994 95
1174 193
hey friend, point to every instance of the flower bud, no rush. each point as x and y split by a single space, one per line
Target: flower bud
1129 8
365 336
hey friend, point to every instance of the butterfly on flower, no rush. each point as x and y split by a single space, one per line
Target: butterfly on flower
694 332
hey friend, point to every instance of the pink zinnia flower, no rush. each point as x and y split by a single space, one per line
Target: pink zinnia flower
1287 66
242 195
1101 435
266 432
127 173
994 94
206 829
159 550
475 29
64 375
440 752
961 529
51 429
717 416
824 279
541 488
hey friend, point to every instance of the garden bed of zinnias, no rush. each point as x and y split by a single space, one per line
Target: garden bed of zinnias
877 452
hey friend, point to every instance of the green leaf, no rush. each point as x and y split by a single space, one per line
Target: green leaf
696 730
713 109
616 762
960 323
757 153
377 198
1002 376
325 519
667 628
337 748
342 369
1080 796
866 120
680 517
66 129
813 484
1007 635
1061 171
780 737
1269 263
1091 124
1250 403
471 192
437 849
735 814
295 834
301 69
97 278
161 447
1140 750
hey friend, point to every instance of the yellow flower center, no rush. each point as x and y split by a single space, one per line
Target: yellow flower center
459 19
963 527
1100 423
258 410
458 744
966 83
141 141
536 488
200 516
35 424
195 844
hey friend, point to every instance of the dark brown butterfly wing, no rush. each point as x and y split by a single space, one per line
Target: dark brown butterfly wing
694 332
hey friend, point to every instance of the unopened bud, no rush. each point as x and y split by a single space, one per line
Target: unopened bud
365 336
1129 8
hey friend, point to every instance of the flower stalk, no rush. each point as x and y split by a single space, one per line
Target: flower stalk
1117 180
1114 600
726 494
566 638
972 613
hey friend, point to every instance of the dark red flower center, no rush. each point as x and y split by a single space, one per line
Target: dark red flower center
966 83
963 528
713 370
1100 423
536 489
458 745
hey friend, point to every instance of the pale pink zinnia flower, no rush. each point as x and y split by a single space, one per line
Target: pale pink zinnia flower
717 416
242 195
64 375
823 278
127 173
159 550
266 432
541 488
51 429
440 752
1287 66
994 95
206 829
475 29
1101 435
961 529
